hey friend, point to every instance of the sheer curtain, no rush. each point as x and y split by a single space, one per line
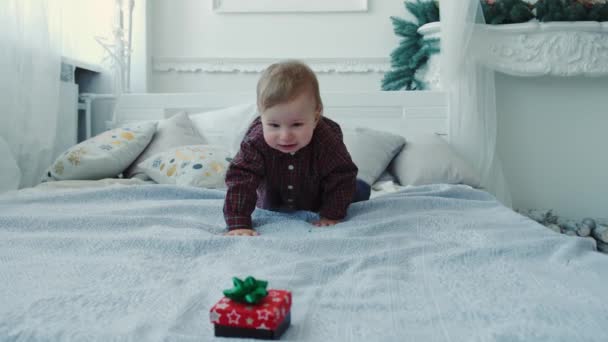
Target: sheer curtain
471 91
30 63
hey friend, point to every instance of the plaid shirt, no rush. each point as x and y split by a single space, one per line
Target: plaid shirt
319 177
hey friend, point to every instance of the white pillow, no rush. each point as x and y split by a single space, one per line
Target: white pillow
10 174
372 151
172 132
429 159
102 156
194 165
225 127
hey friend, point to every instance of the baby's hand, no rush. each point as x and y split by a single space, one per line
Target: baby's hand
242 232
324 222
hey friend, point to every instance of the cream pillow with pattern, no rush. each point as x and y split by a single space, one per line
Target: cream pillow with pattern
103 156
202 166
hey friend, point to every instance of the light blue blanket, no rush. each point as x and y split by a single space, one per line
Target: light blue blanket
431 263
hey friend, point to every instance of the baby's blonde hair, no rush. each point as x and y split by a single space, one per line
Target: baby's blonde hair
284 81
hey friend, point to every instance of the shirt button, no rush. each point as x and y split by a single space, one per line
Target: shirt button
290 187
292 153
290 200
290 167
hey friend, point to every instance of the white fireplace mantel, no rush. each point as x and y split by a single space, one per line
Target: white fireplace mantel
533 49
536 49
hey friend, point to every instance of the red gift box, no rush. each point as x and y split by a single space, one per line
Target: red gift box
267 319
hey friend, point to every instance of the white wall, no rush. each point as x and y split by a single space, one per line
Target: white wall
553 140
189 28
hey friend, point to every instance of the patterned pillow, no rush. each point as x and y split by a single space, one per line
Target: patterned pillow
102 156
171 133
202 166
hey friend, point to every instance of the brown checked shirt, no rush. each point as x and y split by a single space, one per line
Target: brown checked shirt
320 177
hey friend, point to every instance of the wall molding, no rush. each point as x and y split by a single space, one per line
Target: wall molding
537 49
256 65
288 6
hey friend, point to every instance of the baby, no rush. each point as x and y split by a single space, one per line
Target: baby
291 158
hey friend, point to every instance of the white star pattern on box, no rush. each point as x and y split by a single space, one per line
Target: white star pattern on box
215 316
233 317
221 306
263 315
266 315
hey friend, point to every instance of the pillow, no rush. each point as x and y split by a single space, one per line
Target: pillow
386 177
372 151
225 127
103 156
172 132
194 165
429 159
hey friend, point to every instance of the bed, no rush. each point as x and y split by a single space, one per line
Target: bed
129 259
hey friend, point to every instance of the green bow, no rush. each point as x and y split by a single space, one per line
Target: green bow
249 291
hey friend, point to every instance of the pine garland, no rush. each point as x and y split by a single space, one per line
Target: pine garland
413 51
571 10
498 12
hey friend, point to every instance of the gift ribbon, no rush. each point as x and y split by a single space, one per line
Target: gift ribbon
249 291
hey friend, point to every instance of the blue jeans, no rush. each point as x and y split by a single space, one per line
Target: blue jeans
362 192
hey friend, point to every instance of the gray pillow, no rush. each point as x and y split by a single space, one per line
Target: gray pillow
429 159
173 132
372 151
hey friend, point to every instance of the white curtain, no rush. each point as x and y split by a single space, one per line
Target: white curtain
471 92
10 174
30 65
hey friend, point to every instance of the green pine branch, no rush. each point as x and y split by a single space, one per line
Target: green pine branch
498 12
413 51
570 10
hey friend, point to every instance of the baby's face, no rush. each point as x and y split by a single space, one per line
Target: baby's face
288 127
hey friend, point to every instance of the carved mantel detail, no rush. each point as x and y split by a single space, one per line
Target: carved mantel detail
535 49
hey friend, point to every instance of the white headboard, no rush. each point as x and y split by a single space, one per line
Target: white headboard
400 112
